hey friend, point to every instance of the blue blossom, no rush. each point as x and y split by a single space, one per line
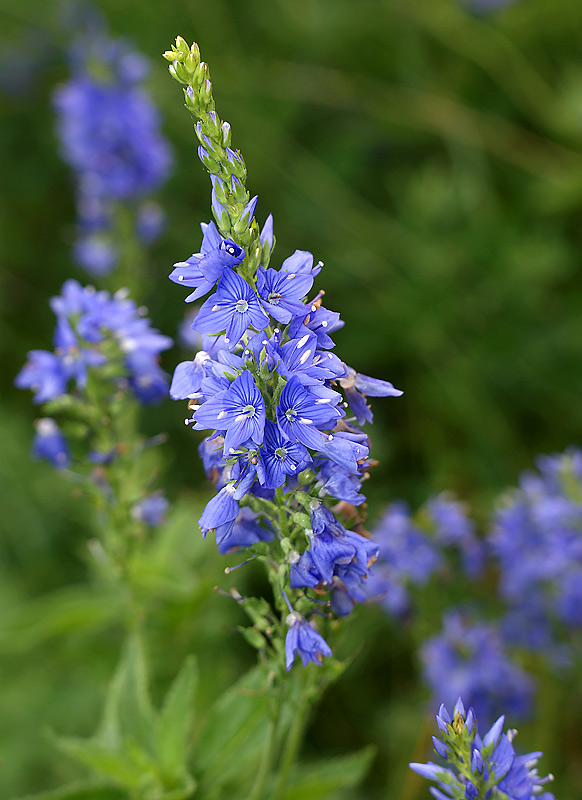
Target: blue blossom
44 373
150 222
151 510
88 324
50 443
202 270
232 309
281 457
318 320
471 660
407 558
480 768
109 130
238 411
96 253
535 540
356 386
220 513
453 528
246 531
303 639
301 414
333 553
414 548
282 292
274 398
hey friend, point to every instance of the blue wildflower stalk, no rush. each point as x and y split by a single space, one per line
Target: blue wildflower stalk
535 543
109 131
105 364
476 768
284 415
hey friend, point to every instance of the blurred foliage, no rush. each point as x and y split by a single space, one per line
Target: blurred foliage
432 158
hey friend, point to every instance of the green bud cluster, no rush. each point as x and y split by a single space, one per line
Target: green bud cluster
225 165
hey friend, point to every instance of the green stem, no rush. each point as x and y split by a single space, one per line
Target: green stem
280 500
296 730
267 757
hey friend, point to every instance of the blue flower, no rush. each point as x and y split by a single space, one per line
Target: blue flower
239 411
300 414
452 527
202 270
50 443
356 386
281 457
471 660
233 309
407 558
246 531
151 510
300 357
319 321
333 553
535 539
109 130
220 512
478 767
96 253
88 324
45 374
282 292
188 377
150 222
303 639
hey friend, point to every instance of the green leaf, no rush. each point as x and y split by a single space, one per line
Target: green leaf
175 720
85 790
326 778
128 712
59 614
232 741
118 766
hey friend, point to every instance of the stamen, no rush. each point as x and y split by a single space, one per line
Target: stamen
228 570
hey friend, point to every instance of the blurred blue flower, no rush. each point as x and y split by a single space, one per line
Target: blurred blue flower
89 324
471 660
109 131
151 510
50 444
537 544
407 558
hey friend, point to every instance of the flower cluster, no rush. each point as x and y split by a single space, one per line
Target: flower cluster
110 135
537 543
480 768
269 389
415 547
96 332
283 410
471 660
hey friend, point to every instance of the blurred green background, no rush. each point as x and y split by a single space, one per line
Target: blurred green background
431 155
